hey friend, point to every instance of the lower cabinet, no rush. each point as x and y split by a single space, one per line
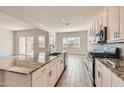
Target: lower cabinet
48 75
58 65
52 74
106 78
42 81
40 77
102 75
98 74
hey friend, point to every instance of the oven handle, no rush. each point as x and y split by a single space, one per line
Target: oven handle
90 61
86 66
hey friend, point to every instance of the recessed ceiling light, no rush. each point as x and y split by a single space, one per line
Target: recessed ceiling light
63 20
80 17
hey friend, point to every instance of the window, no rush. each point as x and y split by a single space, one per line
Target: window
71 42
26 45
22 47
29 45
41 40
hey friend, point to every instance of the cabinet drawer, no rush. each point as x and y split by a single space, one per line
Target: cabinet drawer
39 72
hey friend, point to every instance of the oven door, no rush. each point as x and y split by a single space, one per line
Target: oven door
89 66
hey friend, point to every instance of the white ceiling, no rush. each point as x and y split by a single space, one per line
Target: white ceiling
52 18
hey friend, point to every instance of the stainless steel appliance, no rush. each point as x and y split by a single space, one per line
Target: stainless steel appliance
101 36
101 52
90 67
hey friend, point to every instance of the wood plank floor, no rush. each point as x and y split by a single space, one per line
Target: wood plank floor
75 74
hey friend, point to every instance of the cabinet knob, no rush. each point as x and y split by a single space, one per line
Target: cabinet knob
117 34
114 35
99 74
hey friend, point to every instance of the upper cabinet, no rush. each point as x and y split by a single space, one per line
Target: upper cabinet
120 35
116 24
105 17
113 18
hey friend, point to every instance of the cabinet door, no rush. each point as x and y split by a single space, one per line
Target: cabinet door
42 81
106 77
62 63
40 77
105 17
98 75
98 78
58 67
100 20
121 34
112 22
52 76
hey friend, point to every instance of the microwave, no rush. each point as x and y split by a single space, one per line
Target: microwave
101 36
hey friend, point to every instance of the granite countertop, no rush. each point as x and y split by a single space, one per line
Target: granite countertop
117 66
26 64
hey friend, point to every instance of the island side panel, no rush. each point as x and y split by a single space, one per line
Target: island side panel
16 80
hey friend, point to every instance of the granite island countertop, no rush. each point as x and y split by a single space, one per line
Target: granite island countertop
26 64
117 66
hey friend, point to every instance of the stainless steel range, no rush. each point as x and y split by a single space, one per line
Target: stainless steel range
102 52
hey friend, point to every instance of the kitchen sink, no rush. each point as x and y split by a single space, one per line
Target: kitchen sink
54 54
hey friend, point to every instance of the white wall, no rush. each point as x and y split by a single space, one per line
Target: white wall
83 41
6 42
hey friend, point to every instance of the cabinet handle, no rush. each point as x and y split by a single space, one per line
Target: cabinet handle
61 61
117 34
99 74
50 73
114 34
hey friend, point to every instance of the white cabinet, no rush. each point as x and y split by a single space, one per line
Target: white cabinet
40 77
48 74
112 23
120 34
105 17
117 23
42 81
116 81
106 77
58 66
62 63
52 74
102 75
98 74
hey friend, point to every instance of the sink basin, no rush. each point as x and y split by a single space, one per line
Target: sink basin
54 54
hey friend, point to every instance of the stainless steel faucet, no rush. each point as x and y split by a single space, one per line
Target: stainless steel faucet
51 45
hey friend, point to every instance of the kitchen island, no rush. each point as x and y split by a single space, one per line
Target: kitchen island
39 70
